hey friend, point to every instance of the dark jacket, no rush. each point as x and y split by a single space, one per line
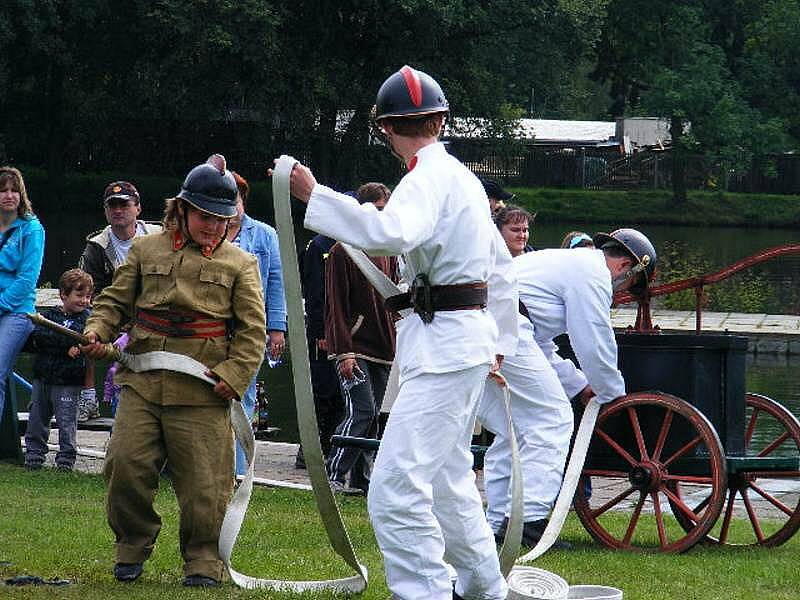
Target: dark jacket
357 325
313 280
98 258
52 364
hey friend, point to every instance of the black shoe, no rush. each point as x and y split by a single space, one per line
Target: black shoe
33 466
531 534
300 459
127 571
200 581
64 468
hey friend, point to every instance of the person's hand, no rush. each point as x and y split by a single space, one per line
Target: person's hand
346 366
494 371
73 352
322 344
221 388
585 395
277 344
301 181
94 349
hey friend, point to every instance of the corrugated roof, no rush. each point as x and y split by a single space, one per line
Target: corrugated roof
542 130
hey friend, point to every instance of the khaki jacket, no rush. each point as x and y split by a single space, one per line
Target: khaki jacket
160 275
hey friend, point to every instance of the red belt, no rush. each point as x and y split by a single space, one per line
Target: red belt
187 324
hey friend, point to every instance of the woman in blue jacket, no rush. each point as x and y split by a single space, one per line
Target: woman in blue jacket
21 251
261 240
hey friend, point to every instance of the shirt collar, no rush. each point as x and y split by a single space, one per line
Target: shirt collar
424 152
179 242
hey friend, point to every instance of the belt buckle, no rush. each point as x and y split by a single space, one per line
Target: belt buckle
421 298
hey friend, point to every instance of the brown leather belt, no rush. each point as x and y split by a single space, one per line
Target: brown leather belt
188 324
426 300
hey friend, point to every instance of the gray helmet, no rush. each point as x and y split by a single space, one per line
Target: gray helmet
409 93
210 187
640 249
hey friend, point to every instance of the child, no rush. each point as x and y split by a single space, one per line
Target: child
59 372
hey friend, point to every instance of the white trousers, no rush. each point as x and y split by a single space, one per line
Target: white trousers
542 417
423 503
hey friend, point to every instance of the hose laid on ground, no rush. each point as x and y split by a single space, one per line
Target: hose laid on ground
530 583
306 421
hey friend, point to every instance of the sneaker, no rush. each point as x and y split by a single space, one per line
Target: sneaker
64 468
200 581
337 487
33 466
127 571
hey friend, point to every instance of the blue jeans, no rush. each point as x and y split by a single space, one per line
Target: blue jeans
248 404
14 331
48 400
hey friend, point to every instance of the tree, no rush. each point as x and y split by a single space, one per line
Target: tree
686 60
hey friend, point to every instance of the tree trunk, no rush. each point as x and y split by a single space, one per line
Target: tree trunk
678 161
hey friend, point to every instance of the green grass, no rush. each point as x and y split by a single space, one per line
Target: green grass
654 207
53 525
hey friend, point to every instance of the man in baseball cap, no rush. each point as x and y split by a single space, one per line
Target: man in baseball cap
107 249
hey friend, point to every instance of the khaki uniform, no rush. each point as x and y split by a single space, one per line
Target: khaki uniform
164 415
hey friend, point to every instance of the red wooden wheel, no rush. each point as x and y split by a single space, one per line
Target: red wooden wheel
762 508
644 447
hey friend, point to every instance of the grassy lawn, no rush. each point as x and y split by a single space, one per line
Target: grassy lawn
53 525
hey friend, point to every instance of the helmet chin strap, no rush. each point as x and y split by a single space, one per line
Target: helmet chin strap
619 281
185 227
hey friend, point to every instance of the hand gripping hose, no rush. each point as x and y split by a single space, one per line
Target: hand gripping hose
306 421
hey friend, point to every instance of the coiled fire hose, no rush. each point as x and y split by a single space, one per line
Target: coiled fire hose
306 421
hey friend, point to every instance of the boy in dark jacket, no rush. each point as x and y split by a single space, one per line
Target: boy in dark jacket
59 372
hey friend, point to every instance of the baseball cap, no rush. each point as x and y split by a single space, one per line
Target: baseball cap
121 190
493 190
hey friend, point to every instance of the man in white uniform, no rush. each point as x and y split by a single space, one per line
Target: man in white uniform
563 291
423 502
542 417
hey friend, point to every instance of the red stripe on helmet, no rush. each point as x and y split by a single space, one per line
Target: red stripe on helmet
413 84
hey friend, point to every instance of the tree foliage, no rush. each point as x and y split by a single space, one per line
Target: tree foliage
157 85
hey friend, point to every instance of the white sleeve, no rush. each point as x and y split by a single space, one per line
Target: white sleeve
588 304
408 219
504 297
570 377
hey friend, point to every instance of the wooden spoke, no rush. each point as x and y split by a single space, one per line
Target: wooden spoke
662 435
771 499
617 448
626 541
613 502
662 532
689 446
637 431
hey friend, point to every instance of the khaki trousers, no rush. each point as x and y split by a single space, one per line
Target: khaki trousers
197 444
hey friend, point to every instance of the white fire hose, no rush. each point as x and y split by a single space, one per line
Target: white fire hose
306 421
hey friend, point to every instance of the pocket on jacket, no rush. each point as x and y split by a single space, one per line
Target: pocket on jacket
157 281
215 288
